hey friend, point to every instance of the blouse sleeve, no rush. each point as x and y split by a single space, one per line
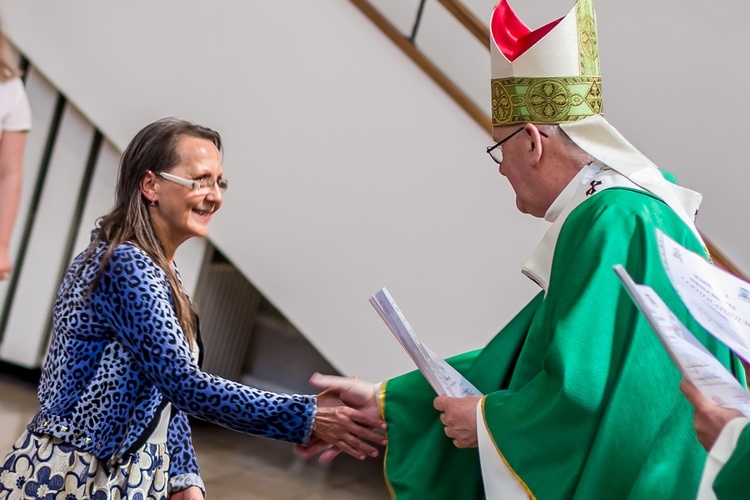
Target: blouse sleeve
134 298
183 466
17 112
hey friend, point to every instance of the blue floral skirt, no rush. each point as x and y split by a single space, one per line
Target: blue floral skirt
46 467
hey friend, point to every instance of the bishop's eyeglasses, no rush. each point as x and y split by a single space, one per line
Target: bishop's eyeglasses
496 151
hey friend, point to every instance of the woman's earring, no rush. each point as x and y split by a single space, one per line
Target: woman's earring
153 203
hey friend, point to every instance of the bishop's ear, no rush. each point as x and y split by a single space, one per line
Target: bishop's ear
536 137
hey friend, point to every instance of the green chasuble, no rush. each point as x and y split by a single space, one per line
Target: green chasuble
733 480
582 401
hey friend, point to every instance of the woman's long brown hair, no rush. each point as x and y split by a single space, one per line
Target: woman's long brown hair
155 149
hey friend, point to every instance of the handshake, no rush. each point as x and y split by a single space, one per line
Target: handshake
348 419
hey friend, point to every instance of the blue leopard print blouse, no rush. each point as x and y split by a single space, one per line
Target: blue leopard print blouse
117 356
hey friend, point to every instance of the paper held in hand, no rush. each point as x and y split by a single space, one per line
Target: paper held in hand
443 378
719 301
693 360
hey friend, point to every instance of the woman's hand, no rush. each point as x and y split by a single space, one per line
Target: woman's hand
710 418
192 493
348 415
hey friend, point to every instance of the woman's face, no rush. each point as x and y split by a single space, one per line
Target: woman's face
181 212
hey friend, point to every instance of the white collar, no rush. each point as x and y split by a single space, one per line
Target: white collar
582 177
602 141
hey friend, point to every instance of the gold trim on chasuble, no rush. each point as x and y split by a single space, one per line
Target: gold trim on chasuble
381 406
554 100
497 448
381 399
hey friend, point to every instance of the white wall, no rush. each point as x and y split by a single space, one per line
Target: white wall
350 170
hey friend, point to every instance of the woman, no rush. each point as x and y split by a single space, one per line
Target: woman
121 372
15 121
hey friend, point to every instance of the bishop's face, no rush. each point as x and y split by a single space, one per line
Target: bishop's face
537 164
518 167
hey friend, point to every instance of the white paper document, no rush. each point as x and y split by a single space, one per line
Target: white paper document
718 300
693 360
443 378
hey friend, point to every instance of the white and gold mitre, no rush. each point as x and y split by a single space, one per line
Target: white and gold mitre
546 76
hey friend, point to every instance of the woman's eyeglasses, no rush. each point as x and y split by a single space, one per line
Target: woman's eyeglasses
204 184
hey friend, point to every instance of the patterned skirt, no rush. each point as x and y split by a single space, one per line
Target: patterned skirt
46 467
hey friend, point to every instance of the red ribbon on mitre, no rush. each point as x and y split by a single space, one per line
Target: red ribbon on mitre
511 35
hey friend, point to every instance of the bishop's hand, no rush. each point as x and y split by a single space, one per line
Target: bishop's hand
459 416
348 418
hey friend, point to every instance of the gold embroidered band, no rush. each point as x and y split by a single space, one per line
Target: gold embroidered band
546 100
588 49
